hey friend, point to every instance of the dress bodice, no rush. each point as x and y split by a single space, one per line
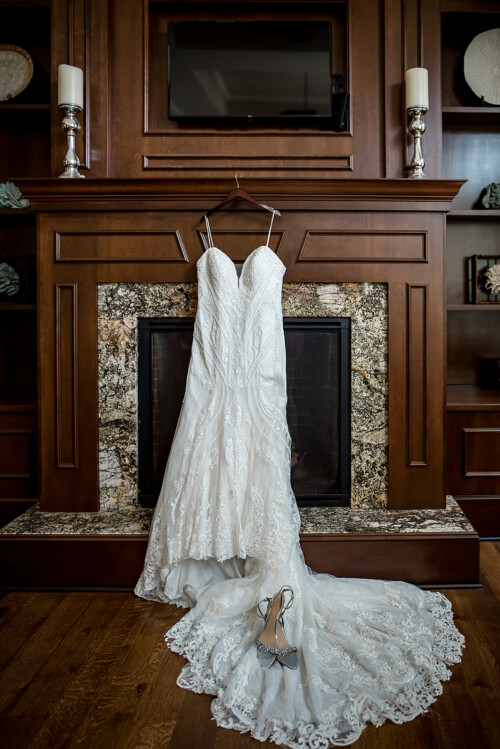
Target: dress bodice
239 322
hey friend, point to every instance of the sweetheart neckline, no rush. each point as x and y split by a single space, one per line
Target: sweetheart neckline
239 277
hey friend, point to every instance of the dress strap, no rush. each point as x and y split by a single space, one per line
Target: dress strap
209 234
270 227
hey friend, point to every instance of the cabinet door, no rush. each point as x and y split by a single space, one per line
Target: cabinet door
473 453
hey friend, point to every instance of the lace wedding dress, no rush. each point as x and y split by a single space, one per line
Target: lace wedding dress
225 535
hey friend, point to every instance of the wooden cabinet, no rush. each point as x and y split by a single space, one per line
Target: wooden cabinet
471 150
25 135
18 369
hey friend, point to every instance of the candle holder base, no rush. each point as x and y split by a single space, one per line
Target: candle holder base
71 173
417 174
71 126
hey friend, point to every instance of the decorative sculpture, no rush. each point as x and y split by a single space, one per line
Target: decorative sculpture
12 197
9 280
493 276
491 199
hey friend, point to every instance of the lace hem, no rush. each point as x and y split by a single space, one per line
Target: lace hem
401 696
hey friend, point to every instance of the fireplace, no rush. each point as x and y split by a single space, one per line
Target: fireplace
318 408
363 306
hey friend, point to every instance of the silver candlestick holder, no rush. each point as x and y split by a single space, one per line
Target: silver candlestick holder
417 129
71 126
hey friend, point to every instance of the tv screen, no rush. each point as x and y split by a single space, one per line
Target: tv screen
250 70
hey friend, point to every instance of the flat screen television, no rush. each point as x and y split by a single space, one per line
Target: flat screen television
251 71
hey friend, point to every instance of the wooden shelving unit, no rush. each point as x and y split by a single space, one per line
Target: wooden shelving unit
471 115
25 134
471 140
473 307
471 398
474 214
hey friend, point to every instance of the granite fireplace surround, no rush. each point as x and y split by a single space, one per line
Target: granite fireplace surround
119 307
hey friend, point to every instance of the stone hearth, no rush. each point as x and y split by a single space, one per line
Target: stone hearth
314 520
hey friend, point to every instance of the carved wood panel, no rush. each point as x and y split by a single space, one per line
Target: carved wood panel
481 451
18 440
417 374
66 340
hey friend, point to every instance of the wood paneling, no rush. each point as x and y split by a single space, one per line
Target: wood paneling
412 39
67 345
79 37
117 561
183 164
362 246
473 452
148 140
66 340
417 372
483 511
18 448
481 451
116 246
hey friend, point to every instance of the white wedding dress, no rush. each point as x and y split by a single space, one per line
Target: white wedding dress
225 535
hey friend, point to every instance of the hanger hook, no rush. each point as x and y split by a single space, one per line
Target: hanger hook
236 178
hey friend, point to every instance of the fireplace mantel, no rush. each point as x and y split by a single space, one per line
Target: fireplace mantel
158 194
383 231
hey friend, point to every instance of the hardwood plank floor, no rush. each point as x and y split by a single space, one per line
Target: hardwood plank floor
92 670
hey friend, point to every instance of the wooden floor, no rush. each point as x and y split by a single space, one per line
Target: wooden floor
91 670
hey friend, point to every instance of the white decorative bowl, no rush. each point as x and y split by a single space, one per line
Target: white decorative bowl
16 70
482 65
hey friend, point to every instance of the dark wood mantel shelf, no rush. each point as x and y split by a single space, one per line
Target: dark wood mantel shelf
100 194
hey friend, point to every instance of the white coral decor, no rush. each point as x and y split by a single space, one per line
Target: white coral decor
493 276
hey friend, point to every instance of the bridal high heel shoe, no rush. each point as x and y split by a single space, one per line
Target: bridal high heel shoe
273 644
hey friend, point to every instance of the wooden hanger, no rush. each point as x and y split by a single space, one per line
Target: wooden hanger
238 192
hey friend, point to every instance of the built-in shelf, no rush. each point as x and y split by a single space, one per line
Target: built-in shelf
478 213
17 211
471 398
19 500
24 106
20 400
473 307
471 115
17 307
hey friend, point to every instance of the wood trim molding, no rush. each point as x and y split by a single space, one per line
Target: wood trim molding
66 339
56 194
223 162
417 374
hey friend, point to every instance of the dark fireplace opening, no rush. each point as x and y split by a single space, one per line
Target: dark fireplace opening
318 408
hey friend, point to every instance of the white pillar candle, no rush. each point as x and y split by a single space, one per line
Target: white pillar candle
70 85
417 88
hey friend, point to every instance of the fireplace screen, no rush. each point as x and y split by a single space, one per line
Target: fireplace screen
318 408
